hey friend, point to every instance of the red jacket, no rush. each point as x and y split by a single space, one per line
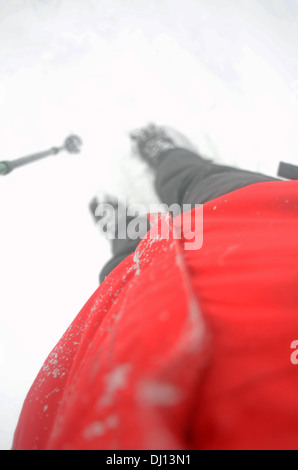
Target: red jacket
184 349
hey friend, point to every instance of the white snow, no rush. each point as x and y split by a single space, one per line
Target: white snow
114 381
158 394
223 72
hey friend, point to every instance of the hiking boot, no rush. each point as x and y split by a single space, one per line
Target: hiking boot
152 141
106 212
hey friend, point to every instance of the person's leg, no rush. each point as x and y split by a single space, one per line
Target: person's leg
123 247
122 251
183 177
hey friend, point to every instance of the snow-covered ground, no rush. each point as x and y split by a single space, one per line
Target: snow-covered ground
225 72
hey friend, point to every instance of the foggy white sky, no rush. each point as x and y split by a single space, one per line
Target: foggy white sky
225 72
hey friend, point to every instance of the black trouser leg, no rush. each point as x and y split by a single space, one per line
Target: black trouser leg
121 248
183 177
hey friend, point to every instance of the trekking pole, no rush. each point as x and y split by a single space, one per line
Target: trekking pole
72 144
